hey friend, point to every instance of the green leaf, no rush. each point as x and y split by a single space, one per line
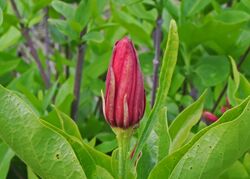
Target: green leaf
146 161
62 121
65 28
172 8
68 125
100 158
233 16
40 4
137 31
180 129
6 154
157 146
214 34
65 9
35 20
107 146
85 159
167 69
213 150
44 150
31 174
165 167
163 135
246 3
103 173
177 83
191 7
1 16
139 11
94 36
9 38
209 73
83 13
65 90
246 161
8 63
239 87
237 170
3 4
49 95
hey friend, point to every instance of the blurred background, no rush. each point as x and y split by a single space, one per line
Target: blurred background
55 54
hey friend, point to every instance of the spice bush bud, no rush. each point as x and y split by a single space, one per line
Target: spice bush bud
209 117
124 102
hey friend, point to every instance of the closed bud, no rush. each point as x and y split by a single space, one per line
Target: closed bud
223 109
124 102
209 117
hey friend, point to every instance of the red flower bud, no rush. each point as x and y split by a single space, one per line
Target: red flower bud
223 109
124 102
210 117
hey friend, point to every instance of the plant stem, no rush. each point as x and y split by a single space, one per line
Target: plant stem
242 59
123 137
78 77
25 32
156 61
68 57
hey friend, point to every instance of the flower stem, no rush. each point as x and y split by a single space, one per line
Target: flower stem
123 137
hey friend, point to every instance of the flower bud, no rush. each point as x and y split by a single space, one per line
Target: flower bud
124 102
223 109
209 117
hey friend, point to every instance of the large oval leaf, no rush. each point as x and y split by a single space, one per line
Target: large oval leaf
45 151
165 167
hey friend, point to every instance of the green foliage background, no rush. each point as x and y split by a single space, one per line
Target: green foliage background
214 43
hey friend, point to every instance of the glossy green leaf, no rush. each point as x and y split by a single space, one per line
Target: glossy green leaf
163 139
107 146
64 27
40 4
35 20
212 149
167 69
233 16
191 7
165 167
156 147
83 12
93 36
246 161
83 156
49 95
67 124
180 129
216 37
91 160
238 87
173 8
65 9
102 173
209 73
147 160
31 174
9 38
8 63
237 170
6 154
100 158
47 152
132 25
